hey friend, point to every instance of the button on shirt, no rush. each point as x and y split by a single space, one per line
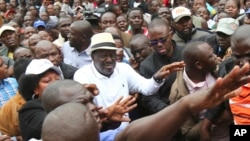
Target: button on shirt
74 58
124 80
8 88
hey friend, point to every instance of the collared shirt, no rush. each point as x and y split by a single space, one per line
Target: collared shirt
193 87
124 80
74 58
59 41
8 88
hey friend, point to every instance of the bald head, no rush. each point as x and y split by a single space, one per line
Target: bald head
112 30
191 52
70 122
158 22
22 52
241 35
84 27
33 40
45 49
63 91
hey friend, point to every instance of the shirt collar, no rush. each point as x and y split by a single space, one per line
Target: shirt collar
191 85
86 51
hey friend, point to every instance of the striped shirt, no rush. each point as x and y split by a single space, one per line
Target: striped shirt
240 106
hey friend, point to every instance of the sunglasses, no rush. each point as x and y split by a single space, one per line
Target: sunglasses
156 41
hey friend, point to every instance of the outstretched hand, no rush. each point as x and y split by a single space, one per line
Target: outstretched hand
117 111
224 88
167 69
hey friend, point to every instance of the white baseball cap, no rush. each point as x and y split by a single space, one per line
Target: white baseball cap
180 12
5 28
39 66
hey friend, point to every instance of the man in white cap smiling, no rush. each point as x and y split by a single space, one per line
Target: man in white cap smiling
115 79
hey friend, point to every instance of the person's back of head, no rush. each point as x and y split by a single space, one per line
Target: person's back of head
198 55
157 22
20 66
70 122
55 94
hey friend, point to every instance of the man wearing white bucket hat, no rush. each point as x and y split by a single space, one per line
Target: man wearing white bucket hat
115 79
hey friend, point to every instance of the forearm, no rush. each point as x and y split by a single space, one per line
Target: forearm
168 117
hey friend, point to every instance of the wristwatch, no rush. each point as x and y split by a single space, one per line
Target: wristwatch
158 80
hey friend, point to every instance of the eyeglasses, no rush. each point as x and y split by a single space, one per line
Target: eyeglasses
156 41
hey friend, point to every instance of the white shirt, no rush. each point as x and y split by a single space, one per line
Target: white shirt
123 81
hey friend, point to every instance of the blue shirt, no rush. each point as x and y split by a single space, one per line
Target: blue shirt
109 135
8 88
74 58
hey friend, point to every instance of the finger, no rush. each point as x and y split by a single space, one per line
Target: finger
4 138
175 65
125 101
233 93
131 101
118 101
130 108
125 119
92 88
235 78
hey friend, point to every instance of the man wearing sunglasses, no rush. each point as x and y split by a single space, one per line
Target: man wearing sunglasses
165 52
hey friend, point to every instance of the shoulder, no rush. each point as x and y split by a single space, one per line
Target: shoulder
226 66
32 104
11 80
84 71
68 67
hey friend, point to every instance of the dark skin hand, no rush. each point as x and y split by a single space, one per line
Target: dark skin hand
177 113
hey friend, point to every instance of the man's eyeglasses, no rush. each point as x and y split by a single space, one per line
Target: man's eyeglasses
156 41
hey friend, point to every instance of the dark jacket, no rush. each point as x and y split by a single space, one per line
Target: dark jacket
212 41
31 117
196 33
154 103
68 71
214 113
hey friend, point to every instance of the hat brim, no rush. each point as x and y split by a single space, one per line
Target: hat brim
102 48
6 29
44 70
179 17
224 30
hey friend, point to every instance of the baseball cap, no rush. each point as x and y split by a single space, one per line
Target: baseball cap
5 28
102 41
39 66
180 12
8 12
227 25
39 23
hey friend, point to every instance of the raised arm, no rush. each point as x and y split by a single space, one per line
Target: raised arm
164 124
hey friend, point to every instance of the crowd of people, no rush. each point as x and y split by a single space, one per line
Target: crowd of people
123 70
